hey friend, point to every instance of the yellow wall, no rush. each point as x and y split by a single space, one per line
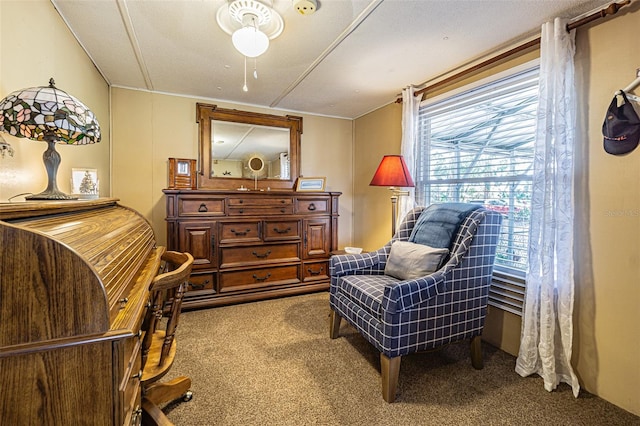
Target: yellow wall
36 45
376 134
607 308
149 128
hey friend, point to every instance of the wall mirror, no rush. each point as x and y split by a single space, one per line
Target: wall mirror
241 149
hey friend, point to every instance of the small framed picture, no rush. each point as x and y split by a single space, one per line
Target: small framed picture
182 173
84 183
310 184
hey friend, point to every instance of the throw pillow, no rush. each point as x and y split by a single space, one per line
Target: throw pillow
408 260
439 223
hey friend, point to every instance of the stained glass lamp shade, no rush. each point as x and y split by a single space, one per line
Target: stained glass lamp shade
49 114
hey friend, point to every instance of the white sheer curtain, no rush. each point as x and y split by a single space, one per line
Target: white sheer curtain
410 106
547 329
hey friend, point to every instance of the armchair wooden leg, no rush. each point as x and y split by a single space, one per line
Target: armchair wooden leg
476 353
390 368
334 324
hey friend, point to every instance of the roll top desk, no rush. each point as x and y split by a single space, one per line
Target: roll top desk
74 288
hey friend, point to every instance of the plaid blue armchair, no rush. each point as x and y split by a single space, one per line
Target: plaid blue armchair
400 317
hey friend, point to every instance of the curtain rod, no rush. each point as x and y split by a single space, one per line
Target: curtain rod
612 9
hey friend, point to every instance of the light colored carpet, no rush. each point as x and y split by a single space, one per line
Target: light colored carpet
272 363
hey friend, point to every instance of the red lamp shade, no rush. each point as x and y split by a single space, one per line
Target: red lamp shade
392 171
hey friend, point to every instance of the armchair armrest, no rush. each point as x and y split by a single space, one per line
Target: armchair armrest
405 295
348 264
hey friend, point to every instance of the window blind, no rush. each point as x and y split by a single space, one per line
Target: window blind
477 147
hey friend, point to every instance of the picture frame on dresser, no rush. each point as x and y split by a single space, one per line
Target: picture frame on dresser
310 184
182 173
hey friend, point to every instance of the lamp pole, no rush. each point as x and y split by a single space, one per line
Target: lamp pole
395 195
394 210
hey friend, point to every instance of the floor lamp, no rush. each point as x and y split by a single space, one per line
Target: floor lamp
393 172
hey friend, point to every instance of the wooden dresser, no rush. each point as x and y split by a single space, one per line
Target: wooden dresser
74 288
252 245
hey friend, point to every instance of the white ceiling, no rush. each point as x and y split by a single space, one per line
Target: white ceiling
346 59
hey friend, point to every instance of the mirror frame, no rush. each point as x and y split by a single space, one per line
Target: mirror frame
205 113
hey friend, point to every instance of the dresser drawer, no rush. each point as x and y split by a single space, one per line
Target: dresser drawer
255 278
201 283
269 253
130 384
315 271
261 211
260 201
312 205
133 402
240 232
132 360
200 206
260 206
275 230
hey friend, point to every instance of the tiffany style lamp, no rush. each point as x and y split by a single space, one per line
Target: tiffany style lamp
48 114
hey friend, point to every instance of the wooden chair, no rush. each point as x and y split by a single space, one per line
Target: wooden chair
159 345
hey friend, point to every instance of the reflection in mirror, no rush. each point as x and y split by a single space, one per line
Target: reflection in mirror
256 164
240 150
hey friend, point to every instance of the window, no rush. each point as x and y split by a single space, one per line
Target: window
477 147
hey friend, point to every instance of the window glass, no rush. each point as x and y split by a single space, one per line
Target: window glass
477 147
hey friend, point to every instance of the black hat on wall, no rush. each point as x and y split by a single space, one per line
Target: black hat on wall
621 127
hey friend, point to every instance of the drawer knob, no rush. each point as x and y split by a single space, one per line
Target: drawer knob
203 208
240 233
261 256
312 207
282 231
257 278
138 375
123 302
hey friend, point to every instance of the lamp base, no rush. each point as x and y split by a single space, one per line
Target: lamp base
51 160
51 195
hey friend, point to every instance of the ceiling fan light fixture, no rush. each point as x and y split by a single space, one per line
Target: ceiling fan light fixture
251 24
249 40
230 17
238 9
